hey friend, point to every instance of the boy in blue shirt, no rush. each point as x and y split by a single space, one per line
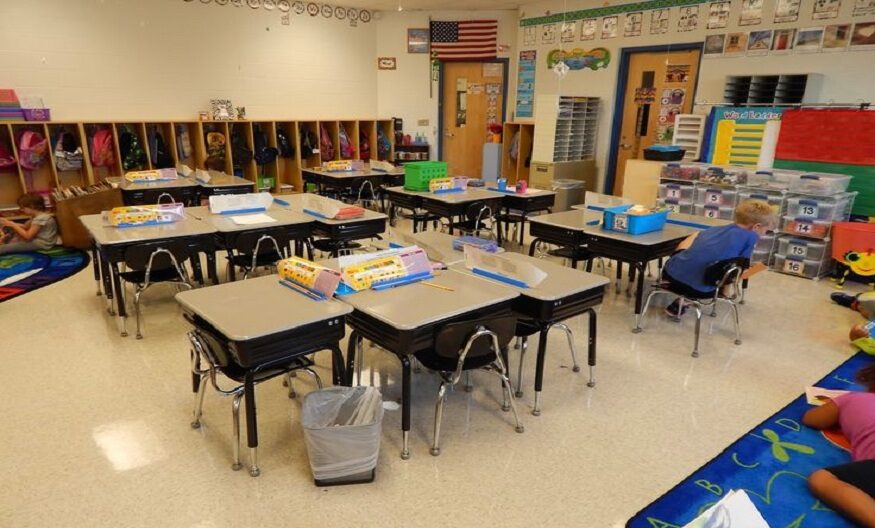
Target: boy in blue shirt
685 270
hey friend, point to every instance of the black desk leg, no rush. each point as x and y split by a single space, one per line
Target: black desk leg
196 268
309 244
107 283
539 370
592 347
522 228
639 292
96 264
405 407
351 359
533 246
338 373
232 269
120 299
500 236
251 424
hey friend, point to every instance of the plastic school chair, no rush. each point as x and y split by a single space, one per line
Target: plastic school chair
258 249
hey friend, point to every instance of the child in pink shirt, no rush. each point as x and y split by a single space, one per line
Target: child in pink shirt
849 488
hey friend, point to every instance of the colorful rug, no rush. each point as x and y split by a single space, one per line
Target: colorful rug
25 272
771 463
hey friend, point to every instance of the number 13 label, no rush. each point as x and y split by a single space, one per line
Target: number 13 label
808 210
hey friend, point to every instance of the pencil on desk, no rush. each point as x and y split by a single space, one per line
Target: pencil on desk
438 286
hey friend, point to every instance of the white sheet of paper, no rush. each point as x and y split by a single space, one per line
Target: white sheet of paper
252 219
811 394
735 510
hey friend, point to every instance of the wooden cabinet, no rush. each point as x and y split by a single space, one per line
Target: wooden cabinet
516 150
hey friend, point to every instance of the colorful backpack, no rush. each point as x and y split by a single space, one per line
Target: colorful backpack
32 150
283 144
215 151
384 147
364 146
347 151
326 147
264 153
101 148
161 158
133 156
183 143
68 155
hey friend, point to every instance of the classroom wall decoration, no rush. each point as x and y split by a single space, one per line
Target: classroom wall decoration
782 41
609 27
286 7
530 36
718 15
548 34
824 9
864 7
688 18
787 11
737 134
632 24
589 28
808 40
863 36
759 42
659 21
714 45
836 37
525 87
736 44
579 59
751 13
568 31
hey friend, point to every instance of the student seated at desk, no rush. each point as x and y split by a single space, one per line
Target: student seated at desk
685 270
849 488
40 232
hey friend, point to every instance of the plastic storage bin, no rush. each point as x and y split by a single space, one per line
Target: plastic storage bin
677 191
419 173
820 183
800 247
675 206
806 227
714 211
715 196
342 430
775 199
761 255
800 266
821 209
766 242
681 171
772 179
724 175
617 219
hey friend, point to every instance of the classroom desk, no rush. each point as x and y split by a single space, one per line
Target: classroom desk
111 242
262 323
575 229
563 294
398 320
445 205
352 181
298 227
533 201
371 225
181 190
225 184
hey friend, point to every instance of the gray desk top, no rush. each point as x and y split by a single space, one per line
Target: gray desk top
225 224
561 281
178 183
297 201
259 307
468 195
406 308
580 220
106 235
225 180
438 246
367 171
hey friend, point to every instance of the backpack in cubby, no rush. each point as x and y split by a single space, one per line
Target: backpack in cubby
32 150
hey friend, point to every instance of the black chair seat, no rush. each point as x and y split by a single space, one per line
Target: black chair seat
327 245
432 361
526 328
156 275
237 373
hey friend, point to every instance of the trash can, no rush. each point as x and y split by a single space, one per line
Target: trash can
568 193
342 430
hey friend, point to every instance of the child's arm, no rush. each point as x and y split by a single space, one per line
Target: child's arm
26 232
687 242
824 417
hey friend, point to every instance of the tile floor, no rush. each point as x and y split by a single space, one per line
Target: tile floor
96 429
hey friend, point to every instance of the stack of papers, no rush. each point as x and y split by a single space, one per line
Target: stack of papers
253 219
735 510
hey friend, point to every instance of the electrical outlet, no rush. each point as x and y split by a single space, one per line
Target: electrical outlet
422 122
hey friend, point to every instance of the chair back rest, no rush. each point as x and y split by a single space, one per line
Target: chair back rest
210 347
157 255
726 271
273 241
452 338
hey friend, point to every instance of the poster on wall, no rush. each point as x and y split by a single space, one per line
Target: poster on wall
677 73
724 147
714 45
530 36
863 36
659 21
589 28
751 13
836 37
609 27
568 31
864 7
736 44
688 18
824 9
548 34
759 42
718 15
782 41
632 24
525 87
808 40
787 11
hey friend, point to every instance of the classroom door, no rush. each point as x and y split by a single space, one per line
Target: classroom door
659 86
472 98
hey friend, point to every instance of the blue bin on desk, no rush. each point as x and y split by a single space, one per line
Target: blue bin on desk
617 219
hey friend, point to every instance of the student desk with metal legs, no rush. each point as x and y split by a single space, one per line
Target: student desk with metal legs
399 320
221 183
297 226
183 190
262 324
340 232
521 205
352 181
450 205
563 294
575 230
111 242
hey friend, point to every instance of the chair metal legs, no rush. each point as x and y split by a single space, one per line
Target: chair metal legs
137 310
737 323
698 328
638 318
519 374
235 415
570 337
438 415
199 402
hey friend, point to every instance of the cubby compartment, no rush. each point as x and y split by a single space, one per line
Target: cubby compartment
41 176
681 171
351 130
288 167
367 140
216 145
803 267
516 151
131 149
309 144
714 211
70 164
242 159
266 173
819 208
676 206
709 195
385 136
677 191
803 248
189 149
10 189
806 227
820 183
161 141
329 129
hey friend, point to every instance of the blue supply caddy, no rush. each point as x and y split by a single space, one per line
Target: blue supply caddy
618 219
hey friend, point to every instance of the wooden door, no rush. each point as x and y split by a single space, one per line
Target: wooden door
473 97
659 86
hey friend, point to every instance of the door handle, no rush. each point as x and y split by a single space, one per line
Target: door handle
626 146
449 134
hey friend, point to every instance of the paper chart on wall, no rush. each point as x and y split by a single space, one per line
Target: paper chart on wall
688 18
589 28
530 36
632 24
751 13
836 37
824 9
525 91
714 45
864 7
609 27
568 31
718 15
782 41
548 33
759 42
787 11
863 36
659 21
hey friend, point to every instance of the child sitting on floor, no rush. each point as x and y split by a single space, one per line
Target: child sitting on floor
40 232
849 488
862 335
685 270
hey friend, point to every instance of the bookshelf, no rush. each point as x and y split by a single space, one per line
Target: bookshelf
517 169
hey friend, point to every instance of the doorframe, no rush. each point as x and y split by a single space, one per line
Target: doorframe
505 61
620 98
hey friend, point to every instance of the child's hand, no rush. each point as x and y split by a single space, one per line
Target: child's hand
6 222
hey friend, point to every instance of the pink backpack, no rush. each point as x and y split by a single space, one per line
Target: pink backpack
326 147
347 150
101 148
32 150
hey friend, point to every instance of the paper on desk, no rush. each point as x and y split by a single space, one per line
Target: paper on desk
225 203
812 393
252 219
522 271
735 510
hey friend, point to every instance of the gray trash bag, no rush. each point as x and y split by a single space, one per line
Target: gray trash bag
342 430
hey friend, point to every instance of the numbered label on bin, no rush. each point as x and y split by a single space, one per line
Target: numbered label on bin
673 192
673 207
799 250
794 266
713 197
809 210
803 227
621 223
711 212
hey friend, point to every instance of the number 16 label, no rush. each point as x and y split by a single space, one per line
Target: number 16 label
794 266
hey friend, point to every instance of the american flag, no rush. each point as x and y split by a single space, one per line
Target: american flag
464 40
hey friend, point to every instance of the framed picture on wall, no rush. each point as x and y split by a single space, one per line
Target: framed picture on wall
386 63
417 40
